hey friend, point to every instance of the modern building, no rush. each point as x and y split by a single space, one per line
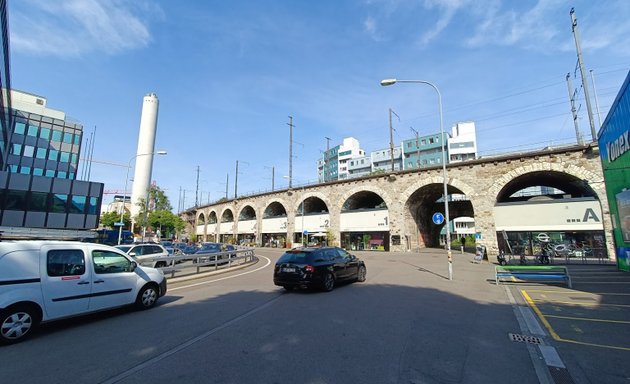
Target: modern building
382 160
334 162
614 149
40 195
424 151
462 145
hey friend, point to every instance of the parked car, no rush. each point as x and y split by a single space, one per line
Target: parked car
211 248
317 267
145 253
41 281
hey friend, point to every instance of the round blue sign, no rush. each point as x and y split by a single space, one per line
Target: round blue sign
438 218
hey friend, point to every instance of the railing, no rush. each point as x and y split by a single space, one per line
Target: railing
193 264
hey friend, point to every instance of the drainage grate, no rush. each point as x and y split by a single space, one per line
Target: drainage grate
526 339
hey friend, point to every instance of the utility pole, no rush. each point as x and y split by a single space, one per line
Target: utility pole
227 181
290 123
417 148
236 180
587 98
327 143
578 135
391 136
197 189
599 115
179 202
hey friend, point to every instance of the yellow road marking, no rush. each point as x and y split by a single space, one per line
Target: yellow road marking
553 333
581 303
570 292
589 319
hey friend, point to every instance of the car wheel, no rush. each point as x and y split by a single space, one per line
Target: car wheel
147 297
17 323
329 282
288 288
361 274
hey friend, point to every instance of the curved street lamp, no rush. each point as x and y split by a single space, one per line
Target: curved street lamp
387 82
122 208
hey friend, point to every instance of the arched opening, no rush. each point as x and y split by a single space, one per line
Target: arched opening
312 221
552 212
212 218
274 226
246 230
428 200
201 219
364 222
227 216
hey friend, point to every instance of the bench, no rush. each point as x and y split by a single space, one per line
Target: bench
534 273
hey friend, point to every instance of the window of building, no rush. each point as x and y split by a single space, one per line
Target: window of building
78 204
77 139
56 135
67 137
38 172
50 173
432 161
13 168
20 128
65 157
41 153
16 149
29 151
32 130
61 174
38 201
15 200
71 175
44 133
59 203
74 159
431 140
53 155
423 141
25 170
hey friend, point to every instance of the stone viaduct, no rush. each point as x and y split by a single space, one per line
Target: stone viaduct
411 197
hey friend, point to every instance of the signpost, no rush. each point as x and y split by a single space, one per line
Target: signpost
438 218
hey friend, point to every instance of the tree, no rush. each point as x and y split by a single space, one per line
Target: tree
108 219
166 221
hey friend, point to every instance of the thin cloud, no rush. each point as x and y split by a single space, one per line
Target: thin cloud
78 27
448 9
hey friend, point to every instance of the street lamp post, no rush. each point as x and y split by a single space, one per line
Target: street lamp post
122 208
387 82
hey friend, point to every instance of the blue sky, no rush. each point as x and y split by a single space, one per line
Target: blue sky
229 73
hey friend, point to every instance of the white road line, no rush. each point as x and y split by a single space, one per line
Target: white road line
223 278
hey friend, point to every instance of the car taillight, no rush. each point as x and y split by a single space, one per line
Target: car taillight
309 269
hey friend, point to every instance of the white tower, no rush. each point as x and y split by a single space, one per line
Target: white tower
144 155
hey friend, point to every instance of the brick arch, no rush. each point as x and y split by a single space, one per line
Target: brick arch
453 182
231 208
199 215
319 195
243 206
570 169
209 213
274 199
363 188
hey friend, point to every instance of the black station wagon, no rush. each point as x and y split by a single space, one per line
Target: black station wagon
317 267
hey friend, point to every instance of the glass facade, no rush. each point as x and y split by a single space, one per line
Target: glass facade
614 150
43 146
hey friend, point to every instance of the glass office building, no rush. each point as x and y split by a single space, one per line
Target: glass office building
39 190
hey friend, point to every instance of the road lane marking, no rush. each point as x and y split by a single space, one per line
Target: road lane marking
125 374
223 278
553 333
578 303
589 319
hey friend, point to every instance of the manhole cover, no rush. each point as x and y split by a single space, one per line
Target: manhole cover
526 339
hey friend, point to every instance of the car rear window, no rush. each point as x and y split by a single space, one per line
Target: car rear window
295 257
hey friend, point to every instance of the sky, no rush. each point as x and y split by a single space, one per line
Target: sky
228 74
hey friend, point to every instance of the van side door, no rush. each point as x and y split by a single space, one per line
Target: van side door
114 282
66 282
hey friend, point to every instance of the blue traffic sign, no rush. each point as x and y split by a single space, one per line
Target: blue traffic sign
305 232
438 218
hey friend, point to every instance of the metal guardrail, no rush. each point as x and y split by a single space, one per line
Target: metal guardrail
217 260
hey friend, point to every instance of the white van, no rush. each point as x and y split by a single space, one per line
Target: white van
47 280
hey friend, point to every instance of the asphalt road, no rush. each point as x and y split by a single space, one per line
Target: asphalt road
406 324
